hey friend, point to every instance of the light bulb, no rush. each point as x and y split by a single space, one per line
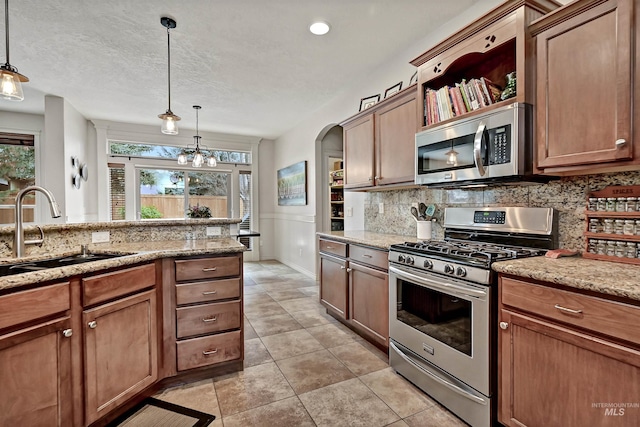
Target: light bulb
452 157
211 162
11 88
182 158
319 28
198 159
169 126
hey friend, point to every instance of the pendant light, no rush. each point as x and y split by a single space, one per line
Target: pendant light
10 79
169 120
199 157
452 157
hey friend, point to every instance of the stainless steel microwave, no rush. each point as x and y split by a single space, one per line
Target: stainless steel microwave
494 147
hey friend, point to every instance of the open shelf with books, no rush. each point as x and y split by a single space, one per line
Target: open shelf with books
336 202
483 66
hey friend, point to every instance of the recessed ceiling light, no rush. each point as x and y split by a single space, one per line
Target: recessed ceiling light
319 28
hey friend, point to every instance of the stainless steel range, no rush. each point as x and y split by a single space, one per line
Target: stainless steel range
443 303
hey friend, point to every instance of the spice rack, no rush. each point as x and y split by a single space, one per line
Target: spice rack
596 239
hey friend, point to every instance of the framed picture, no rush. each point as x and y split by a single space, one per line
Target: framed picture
393 89
292 185
413 78
369 101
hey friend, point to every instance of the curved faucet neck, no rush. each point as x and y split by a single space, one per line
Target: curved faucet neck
18 237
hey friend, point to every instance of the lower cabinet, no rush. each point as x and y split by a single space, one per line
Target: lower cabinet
120 352
561 358
354 287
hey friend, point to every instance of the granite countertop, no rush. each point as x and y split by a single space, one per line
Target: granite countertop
132 253
606 277
376 240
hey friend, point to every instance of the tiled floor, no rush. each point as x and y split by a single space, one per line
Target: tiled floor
303 368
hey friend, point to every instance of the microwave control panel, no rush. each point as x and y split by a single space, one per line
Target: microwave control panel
499 145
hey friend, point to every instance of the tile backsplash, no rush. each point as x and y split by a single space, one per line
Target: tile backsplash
568 195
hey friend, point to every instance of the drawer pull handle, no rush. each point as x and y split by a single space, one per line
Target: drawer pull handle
93 324
210 319
567 310
210 352
329 247
209 292
366 256
210 269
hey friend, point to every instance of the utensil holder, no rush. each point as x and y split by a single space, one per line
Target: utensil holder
424 230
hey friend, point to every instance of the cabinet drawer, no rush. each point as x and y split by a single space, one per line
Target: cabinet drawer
207 318
32 304
111 285
212 290
373 257
604 317
209 350
333 247
207 268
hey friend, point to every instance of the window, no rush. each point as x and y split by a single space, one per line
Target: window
245 205
117 191
151 151
17 171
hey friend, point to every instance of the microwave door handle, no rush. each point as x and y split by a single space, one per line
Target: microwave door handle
477 148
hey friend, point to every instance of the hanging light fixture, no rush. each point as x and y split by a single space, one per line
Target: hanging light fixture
10 79
199 157
169 120
452 157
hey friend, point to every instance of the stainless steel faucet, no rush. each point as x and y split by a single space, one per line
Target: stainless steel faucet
18 237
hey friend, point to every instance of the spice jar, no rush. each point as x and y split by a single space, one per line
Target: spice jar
621 204
631 250
618 226
593 247
593 204
602 204
611 204
594 225
632 204
608 226
621 249
601 247
629 227
610 249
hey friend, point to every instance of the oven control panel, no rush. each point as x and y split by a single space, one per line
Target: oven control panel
489 217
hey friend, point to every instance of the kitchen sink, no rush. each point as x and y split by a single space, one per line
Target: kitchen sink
25 267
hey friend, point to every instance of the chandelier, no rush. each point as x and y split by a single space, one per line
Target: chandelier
169 120
10 79
199 157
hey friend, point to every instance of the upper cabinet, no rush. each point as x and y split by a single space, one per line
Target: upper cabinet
379 143
584 88
476 60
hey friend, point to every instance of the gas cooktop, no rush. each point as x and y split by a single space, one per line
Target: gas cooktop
485 252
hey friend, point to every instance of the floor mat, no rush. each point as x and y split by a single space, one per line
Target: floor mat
157 413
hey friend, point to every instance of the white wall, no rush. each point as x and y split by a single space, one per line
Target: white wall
75 144
266 181
295 227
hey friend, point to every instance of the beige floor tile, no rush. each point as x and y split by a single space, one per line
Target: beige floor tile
400 423
435 416
257 289
281 285
249 332
349 403
285 413
257 311
287 294
265 326
331 335
289 344
200 396
396 392
384 356
300 304
310 291
255 353
358 359
314 317
259 298
253 387
313 370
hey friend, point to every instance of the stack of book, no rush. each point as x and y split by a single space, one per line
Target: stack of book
448 102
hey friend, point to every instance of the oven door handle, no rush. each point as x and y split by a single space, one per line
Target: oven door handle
439 379
445 287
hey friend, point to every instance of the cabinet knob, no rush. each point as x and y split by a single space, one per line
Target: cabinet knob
342 267
67 333
348 270
370 178
504 325
377 177
93 324
620 142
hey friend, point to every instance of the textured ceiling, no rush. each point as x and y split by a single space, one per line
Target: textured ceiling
252 64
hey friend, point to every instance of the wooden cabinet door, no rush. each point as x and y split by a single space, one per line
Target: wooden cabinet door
334 285
396 141
35 376
358 153
120 352
369 302
553 376
584 87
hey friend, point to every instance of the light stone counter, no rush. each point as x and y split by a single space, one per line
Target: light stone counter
376 240
622 280
134 252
